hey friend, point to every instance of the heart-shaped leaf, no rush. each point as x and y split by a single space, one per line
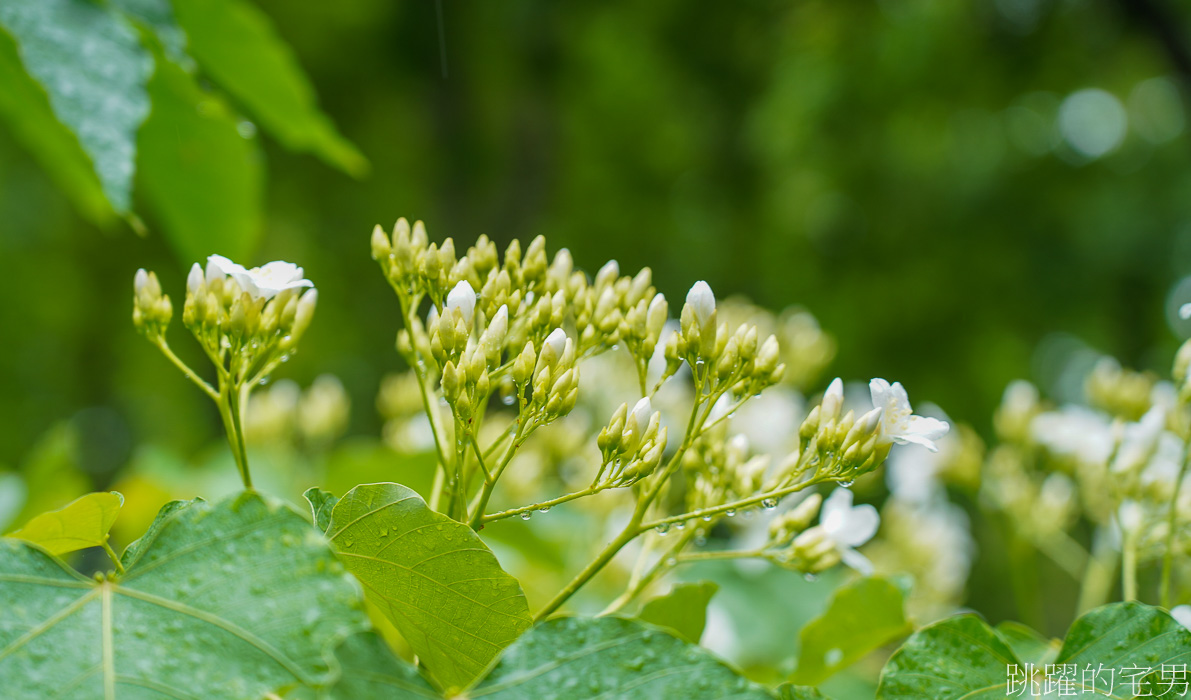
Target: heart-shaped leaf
1030 647
959 657
862 615
1139 639
432 577
232 600
1118 651
321 504
683 609
610 657
82 523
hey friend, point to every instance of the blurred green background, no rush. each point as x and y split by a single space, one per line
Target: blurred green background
943 184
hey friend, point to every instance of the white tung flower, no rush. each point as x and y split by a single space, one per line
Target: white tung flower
1139 441
849 527
264 282
898 423
702 301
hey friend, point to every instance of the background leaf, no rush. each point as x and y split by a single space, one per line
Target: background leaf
82 523
610 657
26 108
432 577
94 70
1123 635
957 657
198 172
158 16
236 45
683 609
862 615
232 600
370 670
321 503
789 691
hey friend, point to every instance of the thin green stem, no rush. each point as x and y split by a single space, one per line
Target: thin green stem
538 506
639 582
524 428
720 554
236 399
734 505
1172 524
190 374
429 397
1129 567
112 555
1100 573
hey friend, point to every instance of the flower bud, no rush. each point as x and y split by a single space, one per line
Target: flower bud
381 247
462 298
305 312
492 342
524 364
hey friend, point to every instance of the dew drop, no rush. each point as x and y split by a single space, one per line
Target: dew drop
731 512
526 515
847 483
700 540
544 509
663 529
508 399
671 561
810 577
706 518
680 525
769 503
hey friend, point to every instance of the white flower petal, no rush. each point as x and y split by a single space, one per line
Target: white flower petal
856 560
836 506
859 526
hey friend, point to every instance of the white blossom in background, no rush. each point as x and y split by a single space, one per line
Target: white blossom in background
898 422
913 476
1074 431
264 282
1139 440
1182 613
849 527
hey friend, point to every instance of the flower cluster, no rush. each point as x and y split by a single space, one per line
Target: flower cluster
248 322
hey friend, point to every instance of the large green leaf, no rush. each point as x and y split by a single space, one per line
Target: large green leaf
200 175
433 578
960 657
1127 635
26 108
233 600
683 609
90 61
609 657
862 615
82 523
234 43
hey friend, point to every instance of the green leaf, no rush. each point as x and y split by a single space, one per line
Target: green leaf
26 108
94 70
959 657
1127 635
370 670
82 523
432 577
233 600
683 609
1028 645
201 177
158 16
862 615
789 691
321 503
234 43
610 657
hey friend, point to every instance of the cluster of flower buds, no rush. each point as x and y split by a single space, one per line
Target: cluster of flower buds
722 359
253 318
784 527
1120 392
151 310
722 468
551 375
845 446
631 445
